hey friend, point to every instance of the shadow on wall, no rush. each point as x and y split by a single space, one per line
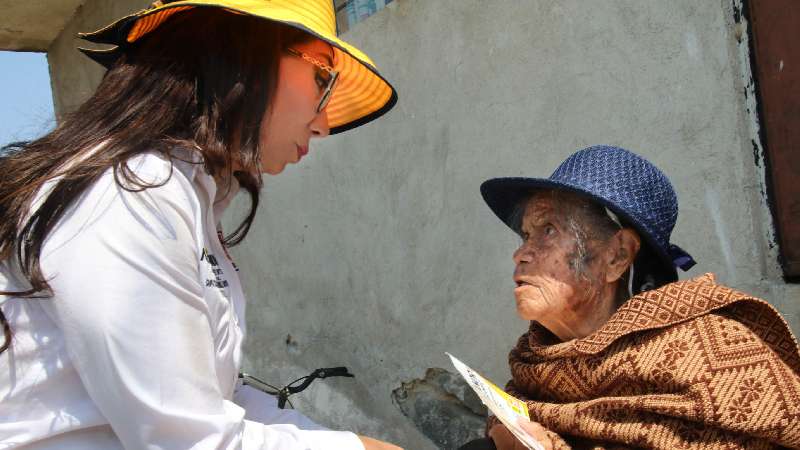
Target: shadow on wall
443 407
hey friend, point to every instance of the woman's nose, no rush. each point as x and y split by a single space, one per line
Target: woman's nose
523 254
319 126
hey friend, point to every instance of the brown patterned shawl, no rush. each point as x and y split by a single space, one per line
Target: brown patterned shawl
692 364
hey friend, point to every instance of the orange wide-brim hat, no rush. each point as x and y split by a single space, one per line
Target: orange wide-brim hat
361 93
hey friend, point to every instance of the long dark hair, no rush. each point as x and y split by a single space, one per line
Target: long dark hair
202 81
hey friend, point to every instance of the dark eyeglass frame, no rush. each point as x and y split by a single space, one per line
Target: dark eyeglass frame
334 76
295 386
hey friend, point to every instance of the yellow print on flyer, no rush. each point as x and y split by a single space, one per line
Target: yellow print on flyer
516 404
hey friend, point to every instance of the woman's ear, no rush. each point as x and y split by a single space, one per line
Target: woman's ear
623 248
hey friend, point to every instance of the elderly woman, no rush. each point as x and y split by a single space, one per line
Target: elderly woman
619 353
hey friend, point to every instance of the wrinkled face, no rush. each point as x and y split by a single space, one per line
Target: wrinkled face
559 273
293 120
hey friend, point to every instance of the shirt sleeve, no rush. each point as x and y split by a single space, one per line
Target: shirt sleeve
263 408
124 270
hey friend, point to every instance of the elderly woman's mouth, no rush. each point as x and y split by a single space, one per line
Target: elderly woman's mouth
521 283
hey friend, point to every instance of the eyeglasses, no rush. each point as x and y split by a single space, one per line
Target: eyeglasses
326 77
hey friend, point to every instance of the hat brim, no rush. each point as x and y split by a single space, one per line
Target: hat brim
361 94
504 195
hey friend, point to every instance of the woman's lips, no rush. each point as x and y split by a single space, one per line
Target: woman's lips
301 151
521 282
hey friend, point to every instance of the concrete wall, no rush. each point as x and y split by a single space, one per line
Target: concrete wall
33 24
72 74
378 253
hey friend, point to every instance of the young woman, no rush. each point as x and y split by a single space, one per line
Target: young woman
122 312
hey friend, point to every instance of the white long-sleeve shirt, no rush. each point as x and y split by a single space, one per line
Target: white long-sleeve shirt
140 345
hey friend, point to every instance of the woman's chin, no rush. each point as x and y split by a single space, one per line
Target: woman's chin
530 308
273 169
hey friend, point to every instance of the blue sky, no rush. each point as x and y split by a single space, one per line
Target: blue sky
26 102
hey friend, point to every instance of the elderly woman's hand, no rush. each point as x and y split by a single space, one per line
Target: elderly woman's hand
505 440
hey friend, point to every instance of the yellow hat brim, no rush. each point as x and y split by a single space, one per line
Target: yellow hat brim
361 94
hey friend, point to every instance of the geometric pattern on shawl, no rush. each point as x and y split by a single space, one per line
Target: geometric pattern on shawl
692 364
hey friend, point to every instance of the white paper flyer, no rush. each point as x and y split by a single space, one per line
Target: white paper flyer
507 408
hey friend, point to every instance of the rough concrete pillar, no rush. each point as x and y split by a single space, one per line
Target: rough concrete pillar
74 76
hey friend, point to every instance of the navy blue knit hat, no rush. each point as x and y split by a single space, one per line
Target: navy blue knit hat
625 183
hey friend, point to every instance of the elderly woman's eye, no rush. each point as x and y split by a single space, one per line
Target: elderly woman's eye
549 230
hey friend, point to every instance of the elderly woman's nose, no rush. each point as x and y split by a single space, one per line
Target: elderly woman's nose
523 254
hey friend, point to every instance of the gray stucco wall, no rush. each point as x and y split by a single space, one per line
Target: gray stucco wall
378 253
74 76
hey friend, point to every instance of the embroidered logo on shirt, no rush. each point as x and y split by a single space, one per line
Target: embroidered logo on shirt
218 280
